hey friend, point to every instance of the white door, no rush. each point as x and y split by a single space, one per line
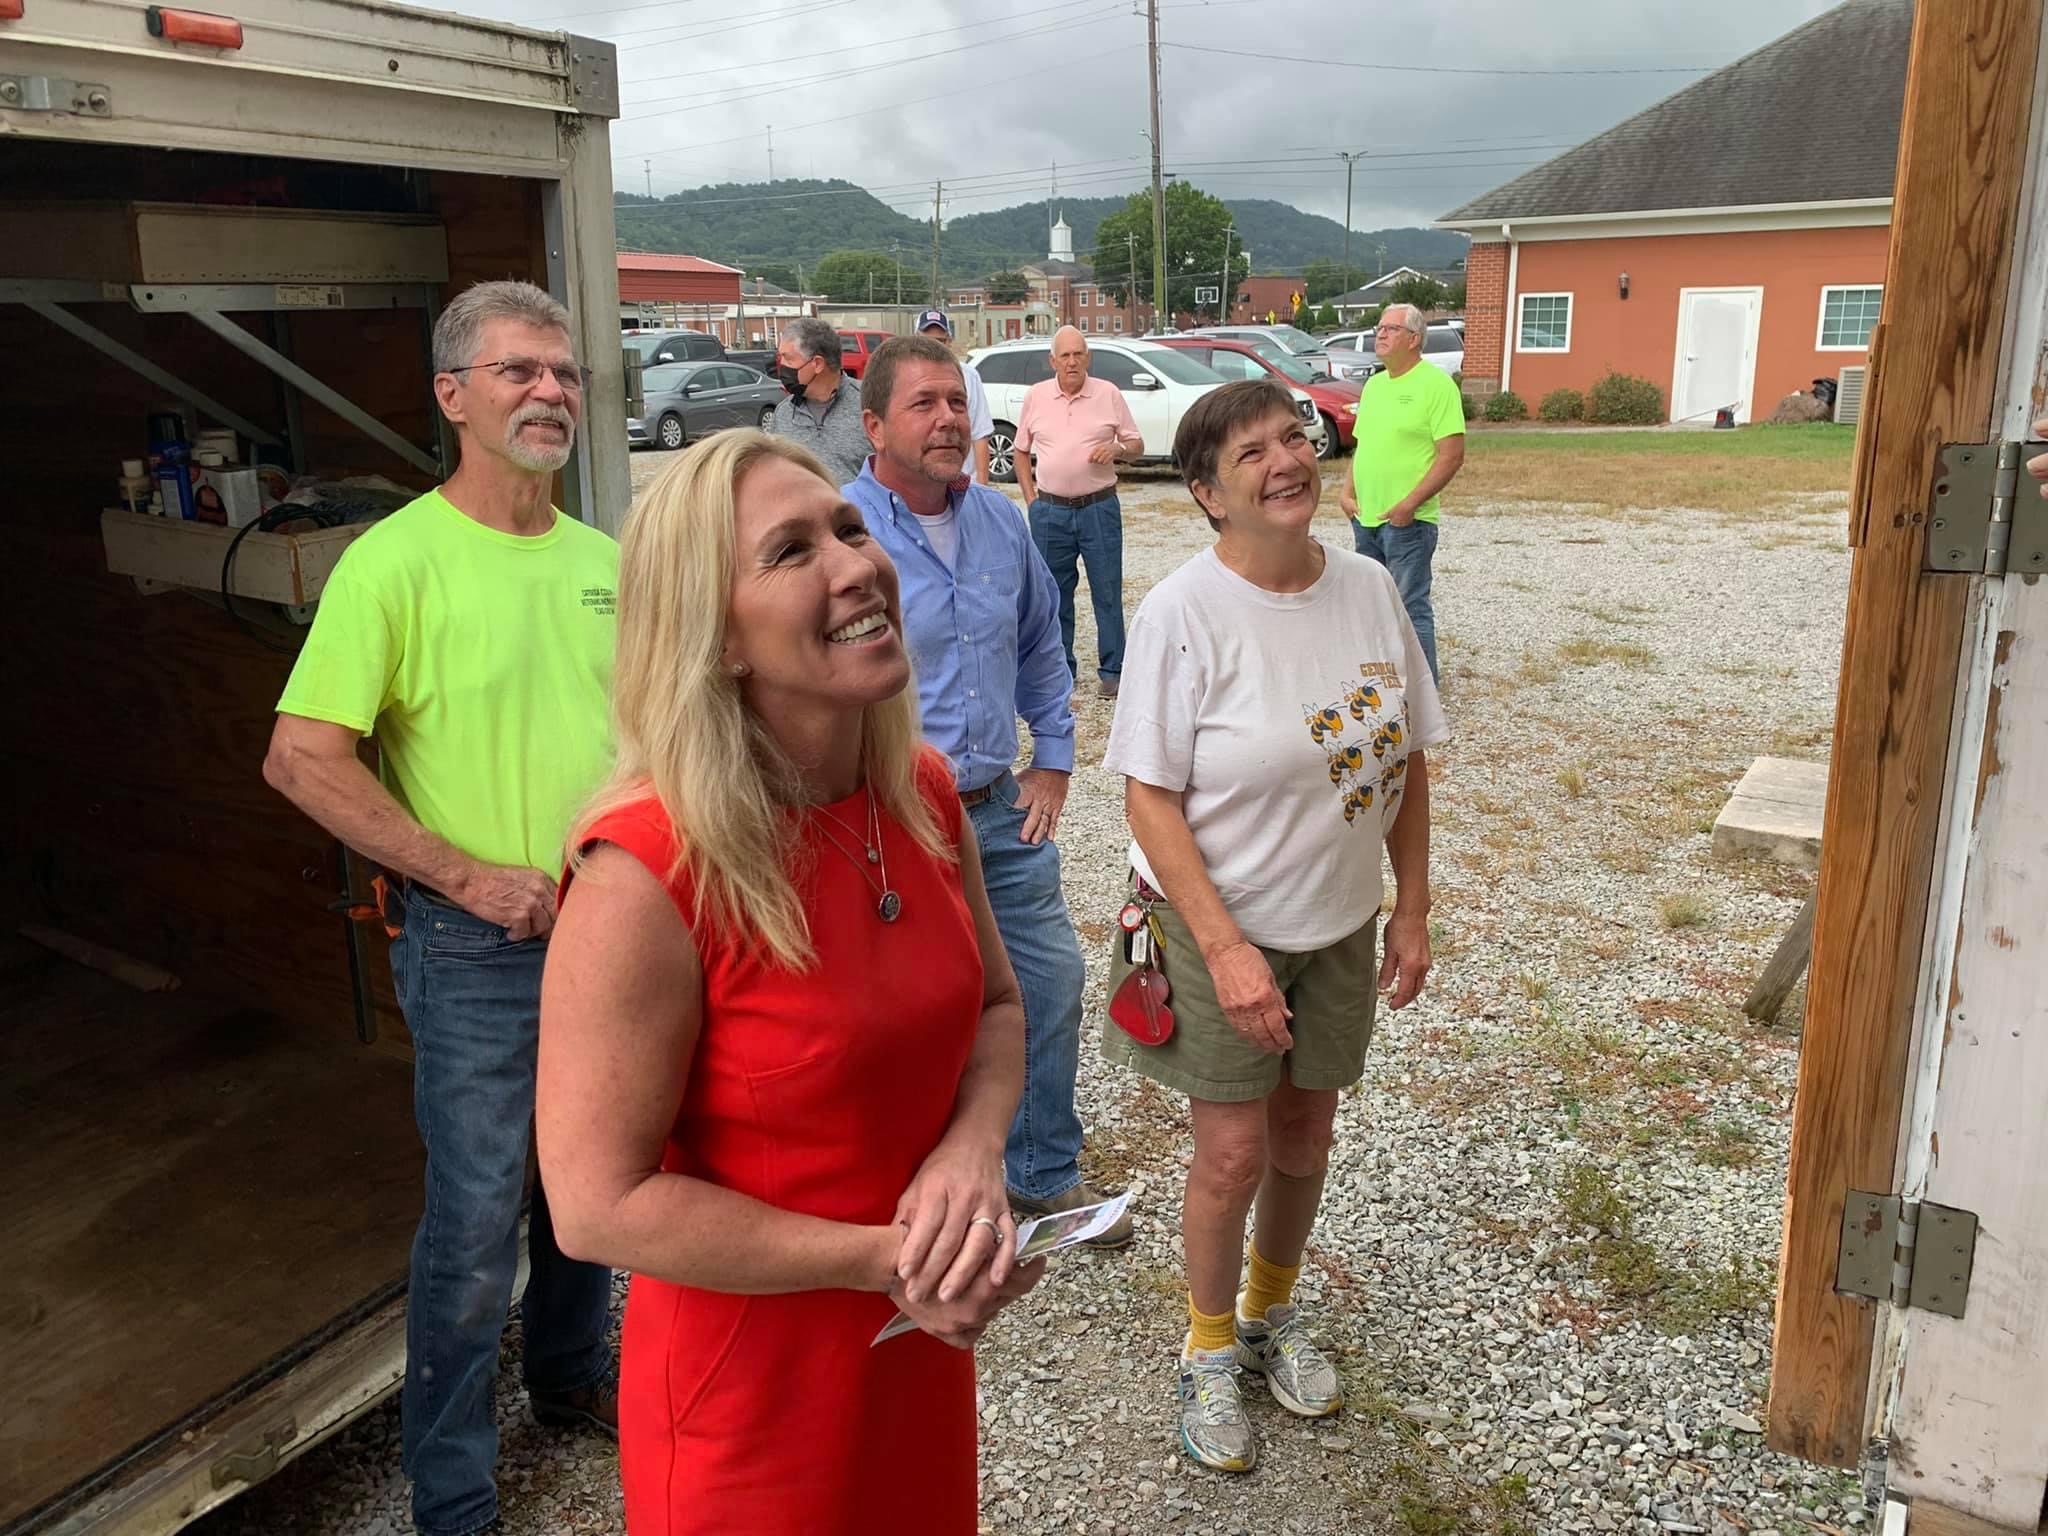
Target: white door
1717 338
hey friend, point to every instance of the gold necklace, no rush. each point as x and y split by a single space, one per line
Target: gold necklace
888 905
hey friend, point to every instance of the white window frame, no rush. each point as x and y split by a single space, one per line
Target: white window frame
1101 325
1820 321
1570 306
1117 324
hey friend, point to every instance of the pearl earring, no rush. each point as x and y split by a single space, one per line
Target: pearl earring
739 669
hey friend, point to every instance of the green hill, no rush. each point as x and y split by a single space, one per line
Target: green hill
756 224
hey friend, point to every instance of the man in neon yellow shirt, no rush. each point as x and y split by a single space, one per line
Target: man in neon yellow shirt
1411 441
471 633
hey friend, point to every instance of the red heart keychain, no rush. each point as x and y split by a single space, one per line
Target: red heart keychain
1138 1007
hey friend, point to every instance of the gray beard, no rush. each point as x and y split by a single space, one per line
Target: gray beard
538 460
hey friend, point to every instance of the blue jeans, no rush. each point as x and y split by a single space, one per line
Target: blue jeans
472 1002
1092 535
1042 1158
1406 553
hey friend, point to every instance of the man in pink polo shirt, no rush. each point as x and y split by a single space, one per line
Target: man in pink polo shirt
1077 428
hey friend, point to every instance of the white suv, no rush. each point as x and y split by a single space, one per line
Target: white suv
1158 384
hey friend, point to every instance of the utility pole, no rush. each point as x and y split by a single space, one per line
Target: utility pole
1131 277
771 154
1223 293
649 163
1350 157
1161 309
938 195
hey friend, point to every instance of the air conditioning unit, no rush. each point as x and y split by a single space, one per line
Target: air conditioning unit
1849 394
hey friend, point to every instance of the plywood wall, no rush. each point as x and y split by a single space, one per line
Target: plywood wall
136 812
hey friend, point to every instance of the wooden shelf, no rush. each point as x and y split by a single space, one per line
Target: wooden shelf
289 568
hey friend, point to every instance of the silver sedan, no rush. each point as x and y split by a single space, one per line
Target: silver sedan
686 401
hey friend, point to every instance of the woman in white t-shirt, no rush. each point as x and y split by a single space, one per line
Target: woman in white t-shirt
1271 728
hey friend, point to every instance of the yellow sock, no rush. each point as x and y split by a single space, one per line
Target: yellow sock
1207 1332
1268 1286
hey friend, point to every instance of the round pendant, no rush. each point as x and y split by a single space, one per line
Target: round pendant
874 855
889 906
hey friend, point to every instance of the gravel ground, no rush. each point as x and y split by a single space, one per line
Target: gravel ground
1547 1242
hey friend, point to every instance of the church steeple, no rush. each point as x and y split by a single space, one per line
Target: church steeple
1062 240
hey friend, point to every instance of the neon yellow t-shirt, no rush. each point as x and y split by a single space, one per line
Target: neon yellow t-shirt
1400 422
482 662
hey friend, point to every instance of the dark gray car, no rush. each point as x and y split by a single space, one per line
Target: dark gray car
686 401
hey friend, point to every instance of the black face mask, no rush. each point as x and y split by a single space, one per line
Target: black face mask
787 378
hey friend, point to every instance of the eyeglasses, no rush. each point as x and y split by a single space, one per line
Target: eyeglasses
520 372
1390 330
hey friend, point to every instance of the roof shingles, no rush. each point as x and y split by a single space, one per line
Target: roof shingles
1810 118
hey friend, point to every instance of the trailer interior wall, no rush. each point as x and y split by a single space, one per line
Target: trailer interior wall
200 1183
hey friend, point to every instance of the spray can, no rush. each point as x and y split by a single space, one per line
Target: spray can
170 463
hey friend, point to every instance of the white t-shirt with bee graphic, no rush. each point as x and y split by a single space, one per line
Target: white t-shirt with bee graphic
1286 720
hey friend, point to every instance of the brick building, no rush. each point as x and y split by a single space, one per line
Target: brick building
1727 244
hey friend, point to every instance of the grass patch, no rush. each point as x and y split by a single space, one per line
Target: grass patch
1684 910
1673 1298
1534 987
1622 613
1572 781
1626 858
1590 650
1745 471
1730 1144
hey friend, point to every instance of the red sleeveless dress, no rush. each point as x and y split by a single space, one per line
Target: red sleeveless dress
820 1093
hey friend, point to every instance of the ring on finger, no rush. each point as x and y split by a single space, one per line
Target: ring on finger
990 1223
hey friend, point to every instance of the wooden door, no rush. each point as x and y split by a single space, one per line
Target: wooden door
1925 1012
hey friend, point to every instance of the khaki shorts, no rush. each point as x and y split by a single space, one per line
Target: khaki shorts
1332 992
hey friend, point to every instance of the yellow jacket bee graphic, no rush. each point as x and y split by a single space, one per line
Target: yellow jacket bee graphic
1382 738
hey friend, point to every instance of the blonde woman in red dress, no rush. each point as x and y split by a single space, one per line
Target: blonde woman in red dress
780 1042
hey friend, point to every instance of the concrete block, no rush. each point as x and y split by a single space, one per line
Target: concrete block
1775 813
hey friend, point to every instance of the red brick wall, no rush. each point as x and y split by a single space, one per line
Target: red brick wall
1639 334
1486 296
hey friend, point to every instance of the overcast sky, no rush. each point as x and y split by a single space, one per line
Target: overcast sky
988 94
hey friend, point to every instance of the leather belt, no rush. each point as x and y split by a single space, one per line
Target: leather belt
1077 501
976 796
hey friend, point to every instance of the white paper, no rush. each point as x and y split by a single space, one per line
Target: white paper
1040 1236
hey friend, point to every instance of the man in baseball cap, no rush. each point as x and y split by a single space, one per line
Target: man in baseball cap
933 323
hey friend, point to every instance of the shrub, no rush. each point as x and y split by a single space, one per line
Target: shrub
1562 405
1624 399
1470 406
1507 406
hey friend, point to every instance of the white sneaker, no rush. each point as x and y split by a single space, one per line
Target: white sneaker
1300 1376
1213 1426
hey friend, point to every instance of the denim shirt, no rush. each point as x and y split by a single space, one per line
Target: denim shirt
984 635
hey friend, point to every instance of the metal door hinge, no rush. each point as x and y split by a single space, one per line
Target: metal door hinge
46 93
1910 1253
255 1461
1981 517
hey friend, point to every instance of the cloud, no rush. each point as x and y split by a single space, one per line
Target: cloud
988 96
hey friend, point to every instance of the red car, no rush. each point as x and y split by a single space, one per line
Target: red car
1337 399
856 347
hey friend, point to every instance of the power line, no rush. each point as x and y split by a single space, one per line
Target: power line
754 92
1445 69
783 60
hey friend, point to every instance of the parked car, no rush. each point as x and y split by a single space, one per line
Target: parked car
856 347
674 347
1158 383
1351 354
760 359
686 401
1336 400
1291 339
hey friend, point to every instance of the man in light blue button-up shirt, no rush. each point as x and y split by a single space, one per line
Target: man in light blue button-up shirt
981 616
